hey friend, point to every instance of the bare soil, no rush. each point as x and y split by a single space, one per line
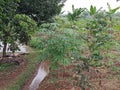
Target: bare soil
60 79
15 67
64 78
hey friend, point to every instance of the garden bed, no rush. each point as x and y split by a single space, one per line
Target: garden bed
103 79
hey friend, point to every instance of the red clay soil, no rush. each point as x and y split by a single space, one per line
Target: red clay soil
64 78
61 79
9 76
104 80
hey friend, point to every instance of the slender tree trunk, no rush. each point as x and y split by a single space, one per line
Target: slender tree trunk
4 48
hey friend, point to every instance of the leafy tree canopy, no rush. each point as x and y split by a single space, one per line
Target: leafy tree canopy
14 27
40 10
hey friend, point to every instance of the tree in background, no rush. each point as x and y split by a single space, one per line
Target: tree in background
14 27
40 10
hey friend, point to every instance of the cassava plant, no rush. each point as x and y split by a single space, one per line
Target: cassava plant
56 44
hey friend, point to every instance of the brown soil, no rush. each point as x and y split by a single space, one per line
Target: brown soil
9 75
103 80
65 78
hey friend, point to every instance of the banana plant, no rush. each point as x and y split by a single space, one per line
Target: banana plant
112 11
75 13
93 10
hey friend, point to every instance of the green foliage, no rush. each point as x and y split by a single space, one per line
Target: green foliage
115 69
97 38
23 27
93 10
40 10
77 39
75 13
57 45
112 11
6 66
8 9
14 27
34 42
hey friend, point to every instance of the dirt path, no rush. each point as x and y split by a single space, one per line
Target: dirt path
45 65
8 77
26 86
12 73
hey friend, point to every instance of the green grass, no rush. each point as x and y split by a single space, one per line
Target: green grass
118 77
115 69
6 67
33 60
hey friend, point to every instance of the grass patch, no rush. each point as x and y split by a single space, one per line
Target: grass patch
33 60
115 69
6 66
118 77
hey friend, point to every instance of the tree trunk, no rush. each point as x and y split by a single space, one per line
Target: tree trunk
4 48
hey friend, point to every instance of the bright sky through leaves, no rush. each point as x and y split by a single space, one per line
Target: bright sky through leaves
87 3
